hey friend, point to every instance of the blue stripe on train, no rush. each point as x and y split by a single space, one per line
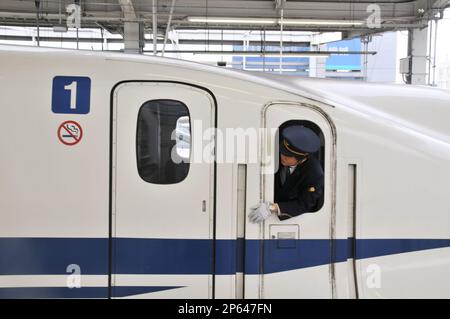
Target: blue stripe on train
51 256
83 292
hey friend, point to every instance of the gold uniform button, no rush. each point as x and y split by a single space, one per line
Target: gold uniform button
311 189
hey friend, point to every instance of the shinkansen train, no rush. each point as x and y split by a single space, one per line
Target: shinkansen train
93 203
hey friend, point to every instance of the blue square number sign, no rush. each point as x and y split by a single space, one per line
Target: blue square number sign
71 94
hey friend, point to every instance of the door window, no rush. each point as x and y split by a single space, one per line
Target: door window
163 141
308 196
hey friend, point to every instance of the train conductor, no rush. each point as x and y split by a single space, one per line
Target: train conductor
299 182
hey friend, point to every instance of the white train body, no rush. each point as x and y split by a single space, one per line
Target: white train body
77 219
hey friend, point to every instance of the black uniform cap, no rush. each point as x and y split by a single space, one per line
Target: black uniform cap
298 140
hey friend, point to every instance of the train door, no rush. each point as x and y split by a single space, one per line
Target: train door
162 191
297 253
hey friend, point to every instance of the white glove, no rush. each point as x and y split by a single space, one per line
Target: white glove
259 213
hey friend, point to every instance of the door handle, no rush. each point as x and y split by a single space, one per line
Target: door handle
203 206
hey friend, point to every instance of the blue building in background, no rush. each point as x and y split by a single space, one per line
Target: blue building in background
336 66
349 62
290 65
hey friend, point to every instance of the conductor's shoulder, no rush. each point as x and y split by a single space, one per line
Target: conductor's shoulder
313 166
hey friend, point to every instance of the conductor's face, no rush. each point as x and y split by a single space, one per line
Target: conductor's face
288 160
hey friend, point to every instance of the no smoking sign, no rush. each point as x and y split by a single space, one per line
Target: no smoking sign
70 133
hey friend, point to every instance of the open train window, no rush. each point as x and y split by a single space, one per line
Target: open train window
163 141
298 191
320 155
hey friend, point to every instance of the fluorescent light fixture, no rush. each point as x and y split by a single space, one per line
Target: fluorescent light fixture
320 22
60 28
229 20
306 22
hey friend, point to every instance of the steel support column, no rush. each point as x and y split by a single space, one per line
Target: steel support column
417 51
133 37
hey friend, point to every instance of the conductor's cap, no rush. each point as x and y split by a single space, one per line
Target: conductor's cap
298 140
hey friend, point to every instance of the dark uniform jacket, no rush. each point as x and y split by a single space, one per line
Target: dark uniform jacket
302 191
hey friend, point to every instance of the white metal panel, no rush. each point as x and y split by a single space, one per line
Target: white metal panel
51 281
318 225
401 198
49 189
421 274
161 211
184 286
307 283
154 211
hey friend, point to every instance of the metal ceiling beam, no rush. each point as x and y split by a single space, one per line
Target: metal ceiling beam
115 26
279 4
128 10
287 45
241 8
112 13
166 34
155 25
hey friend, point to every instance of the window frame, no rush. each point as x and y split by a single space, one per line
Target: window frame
137 144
